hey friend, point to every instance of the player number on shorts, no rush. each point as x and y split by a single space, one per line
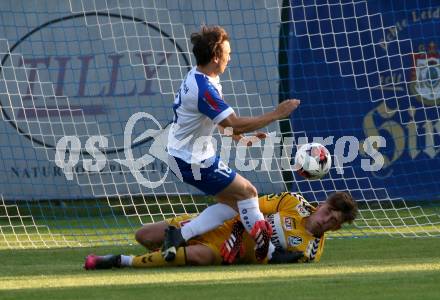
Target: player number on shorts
223 169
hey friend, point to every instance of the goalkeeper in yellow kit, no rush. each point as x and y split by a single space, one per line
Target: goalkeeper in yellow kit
298 233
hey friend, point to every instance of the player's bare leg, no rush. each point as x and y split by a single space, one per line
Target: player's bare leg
151 236
239 189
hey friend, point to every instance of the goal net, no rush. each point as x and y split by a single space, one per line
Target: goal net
86 95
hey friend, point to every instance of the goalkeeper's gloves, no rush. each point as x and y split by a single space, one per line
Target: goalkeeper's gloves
261 233
280 256
233 247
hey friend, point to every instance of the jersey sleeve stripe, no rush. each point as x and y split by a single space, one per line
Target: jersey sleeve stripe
223 115
211 101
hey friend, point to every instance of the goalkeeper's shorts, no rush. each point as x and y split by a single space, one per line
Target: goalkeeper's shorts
215 238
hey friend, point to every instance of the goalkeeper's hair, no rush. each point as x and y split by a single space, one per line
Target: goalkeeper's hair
207 43
344 202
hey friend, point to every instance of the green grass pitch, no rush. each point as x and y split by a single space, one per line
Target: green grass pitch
363 268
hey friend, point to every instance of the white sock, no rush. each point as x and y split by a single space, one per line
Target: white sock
211 218
250 213
126 260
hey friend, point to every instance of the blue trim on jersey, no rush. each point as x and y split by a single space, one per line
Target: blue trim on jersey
212 179
209 101
176 105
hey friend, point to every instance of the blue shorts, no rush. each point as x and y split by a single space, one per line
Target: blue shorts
211 176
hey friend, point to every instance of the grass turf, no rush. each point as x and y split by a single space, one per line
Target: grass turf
365 268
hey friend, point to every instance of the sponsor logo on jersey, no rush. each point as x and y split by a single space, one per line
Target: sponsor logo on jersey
302 210
294 241
275 239
289 223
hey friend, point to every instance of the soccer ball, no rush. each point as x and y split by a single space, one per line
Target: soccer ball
313 161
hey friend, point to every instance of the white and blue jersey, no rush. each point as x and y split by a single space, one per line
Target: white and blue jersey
198 108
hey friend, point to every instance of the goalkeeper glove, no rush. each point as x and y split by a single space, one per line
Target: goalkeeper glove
261 233
280 256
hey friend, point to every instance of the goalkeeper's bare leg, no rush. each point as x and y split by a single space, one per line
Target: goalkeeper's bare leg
151 236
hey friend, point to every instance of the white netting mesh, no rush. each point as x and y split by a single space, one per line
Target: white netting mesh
86 67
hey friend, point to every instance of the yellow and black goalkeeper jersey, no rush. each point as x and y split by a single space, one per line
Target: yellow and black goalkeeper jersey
287 213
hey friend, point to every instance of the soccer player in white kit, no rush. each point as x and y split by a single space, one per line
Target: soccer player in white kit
198 109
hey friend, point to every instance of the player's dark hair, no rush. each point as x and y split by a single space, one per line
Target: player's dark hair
344 202
207 43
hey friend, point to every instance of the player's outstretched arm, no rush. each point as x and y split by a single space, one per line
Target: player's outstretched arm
242 125
240 138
